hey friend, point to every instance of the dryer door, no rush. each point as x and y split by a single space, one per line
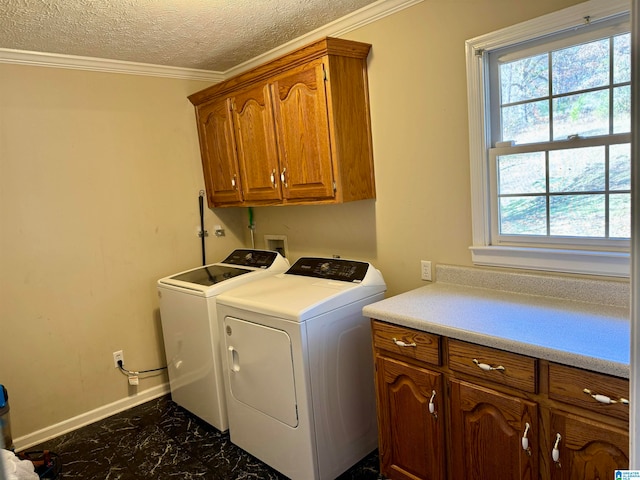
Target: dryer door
260 364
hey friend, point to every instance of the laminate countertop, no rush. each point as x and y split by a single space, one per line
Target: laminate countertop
574 322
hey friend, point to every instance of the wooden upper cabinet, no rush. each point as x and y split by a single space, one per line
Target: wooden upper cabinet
256 144
303 133
302 127
217 146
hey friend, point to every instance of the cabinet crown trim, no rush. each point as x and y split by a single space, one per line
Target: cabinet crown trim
326 46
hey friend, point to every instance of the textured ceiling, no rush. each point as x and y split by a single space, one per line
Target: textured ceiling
211 35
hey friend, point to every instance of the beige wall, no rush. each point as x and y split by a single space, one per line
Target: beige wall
99 178
99 182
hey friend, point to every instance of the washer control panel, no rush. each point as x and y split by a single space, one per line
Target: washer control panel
330 268
251 258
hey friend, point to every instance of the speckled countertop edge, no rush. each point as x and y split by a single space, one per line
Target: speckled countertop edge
589 335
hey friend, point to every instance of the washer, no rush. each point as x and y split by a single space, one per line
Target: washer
190 328
298 366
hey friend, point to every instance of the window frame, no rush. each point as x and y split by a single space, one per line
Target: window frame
570 260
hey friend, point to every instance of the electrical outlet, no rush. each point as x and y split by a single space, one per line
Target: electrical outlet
426 270
118 356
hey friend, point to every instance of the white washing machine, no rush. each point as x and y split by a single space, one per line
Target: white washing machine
190 328
298 366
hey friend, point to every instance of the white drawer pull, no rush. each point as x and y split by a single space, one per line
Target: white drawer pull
400 343
486 367
525 439
432 406
604 399
555 453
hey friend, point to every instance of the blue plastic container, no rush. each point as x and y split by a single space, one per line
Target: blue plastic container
5 422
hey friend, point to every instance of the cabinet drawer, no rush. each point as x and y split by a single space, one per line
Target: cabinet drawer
568 384
407 342
497 366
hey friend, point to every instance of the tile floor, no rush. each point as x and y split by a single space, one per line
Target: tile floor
159 440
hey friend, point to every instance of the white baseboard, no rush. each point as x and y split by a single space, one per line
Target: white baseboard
37 437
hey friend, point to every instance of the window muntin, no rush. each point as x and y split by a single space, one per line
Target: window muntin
581 89
562 191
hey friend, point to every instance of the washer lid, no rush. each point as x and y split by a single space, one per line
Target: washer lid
209 275
212 279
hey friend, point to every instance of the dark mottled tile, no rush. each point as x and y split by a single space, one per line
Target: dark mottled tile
159 440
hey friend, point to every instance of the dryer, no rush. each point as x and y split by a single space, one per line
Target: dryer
298 366
190 328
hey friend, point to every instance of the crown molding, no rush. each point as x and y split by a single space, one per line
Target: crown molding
357 19
337 28
42 59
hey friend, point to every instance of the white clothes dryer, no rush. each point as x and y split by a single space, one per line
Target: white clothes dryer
298 366
190 328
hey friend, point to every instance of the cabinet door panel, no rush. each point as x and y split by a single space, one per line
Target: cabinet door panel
256 144
411 438
300 106
588 450
218 150
486 434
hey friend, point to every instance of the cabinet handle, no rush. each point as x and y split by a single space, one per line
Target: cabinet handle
486 367
432 406
525 439
555 453
233 183
400 343
604 399
273 179
283 178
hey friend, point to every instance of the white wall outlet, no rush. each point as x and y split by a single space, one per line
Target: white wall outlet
426 270
118 356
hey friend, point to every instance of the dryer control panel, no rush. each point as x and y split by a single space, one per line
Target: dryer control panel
330 268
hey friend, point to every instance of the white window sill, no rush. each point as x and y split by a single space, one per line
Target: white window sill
612 264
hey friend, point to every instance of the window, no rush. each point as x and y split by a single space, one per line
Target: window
549 117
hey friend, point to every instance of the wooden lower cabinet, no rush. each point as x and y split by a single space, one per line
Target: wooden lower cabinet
494 415
586 449
487 428
412 446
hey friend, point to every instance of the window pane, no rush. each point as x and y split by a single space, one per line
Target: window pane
622 109
577 215
584 114
620 215
577 170
526 123
523 216
620 167
524 79
580 67
622 58
521 173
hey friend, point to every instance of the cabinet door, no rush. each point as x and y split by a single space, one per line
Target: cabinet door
256 144
218 150
587 450
300 106
487 428
411 440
